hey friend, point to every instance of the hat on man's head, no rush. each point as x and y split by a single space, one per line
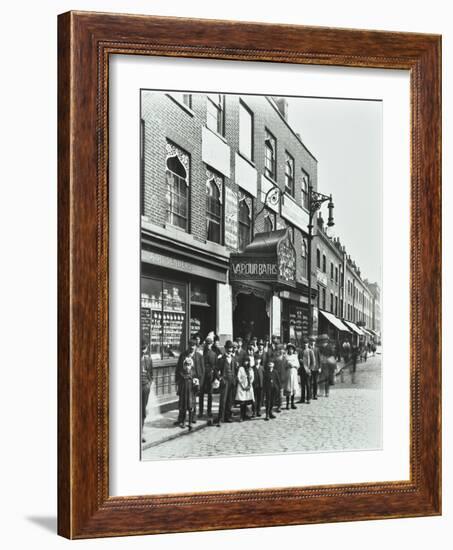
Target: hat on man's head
290 345
228 344
261 342
192 342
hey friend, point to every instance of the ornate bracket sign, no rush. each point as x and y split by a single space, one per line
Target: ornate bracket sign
269 258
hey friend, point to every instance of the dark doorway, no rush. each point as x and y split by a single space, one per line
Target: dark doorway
250 317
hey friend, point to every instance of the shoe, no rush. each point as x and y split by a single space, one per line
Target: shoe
194 421
287 407
259 414
182 425
315 398
308 402
293 407
190 427
278 410
266 419
176 423
272 416
229 420
300 401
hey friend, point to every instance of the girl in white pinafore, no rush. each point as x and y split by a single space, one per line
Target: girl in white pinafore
292 367
244 390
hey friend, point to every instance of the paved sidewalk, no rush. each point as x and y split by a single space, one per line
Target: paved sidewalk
160 427
350 419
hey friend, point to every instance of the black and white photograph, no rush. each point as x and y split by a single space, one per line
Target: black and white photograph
261 274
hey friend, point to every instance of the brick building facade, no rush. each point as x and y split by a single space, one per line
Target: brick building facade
208 161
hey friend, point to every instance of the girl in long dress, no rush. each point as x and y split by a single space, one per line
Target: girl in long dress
292 367
244 389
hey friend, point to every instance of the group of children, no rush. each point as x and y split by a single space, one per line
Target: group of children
255 377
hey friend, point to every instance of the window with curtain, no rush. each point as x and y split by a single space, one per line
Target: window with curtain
245 223
270 156
214 113
289 174
245 131
213 212
177 193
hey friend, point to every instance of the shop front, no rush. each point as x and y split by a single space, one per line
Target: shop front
178 300
334 327
257 276
294 318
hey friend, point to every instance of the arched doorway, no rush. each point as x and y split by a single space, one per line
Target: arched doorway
250 317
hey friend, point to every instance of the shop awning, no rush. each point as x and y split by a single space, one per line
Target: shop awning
269 258
354 327
337 323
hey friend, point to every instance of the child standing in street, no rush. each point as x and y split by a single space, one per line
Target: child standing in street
271 388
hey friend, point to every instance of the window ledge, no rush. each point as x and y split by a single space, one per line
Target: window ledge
246 158
217 134
182 105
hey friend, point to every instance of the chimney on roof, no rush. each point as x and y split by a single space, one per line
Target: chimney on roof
282 106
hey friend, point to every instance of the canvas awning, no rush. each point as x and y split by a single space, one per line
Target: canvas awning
337 323
355 328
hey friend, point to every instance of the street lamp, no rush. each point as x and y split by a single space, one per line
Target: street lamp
315 201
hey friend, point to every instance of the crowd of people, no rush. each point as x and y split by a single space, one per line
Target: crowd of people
260 377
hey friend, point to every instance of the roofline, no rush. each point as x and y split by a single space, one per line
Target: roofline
299 139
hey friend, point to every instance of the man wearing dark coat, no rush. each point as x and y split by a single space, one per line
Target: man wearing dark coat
197 373
210 366
226 368
258 382
271 388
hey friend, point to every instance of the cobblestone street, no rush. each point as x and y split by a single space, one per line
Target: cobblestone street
349 419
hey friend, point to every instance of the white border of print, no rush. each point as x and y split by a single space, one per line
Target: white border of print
129 475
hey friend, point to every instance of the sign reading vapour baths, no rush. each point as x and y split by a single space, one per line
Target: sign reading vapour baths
269 258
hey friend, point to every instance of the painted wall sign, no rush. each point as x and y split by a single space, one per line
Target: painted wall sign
231 218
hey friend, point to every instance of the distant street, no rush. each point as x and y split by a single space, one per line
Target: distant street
349 419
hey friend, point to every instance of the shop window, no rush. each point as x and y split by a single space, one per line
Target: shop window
177 193
213 212
289 174
245 222
270 156
164 305
214 113
305 191
245 131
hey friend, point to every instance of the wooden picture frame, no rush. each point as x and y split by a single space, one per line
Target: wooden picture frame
85 41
